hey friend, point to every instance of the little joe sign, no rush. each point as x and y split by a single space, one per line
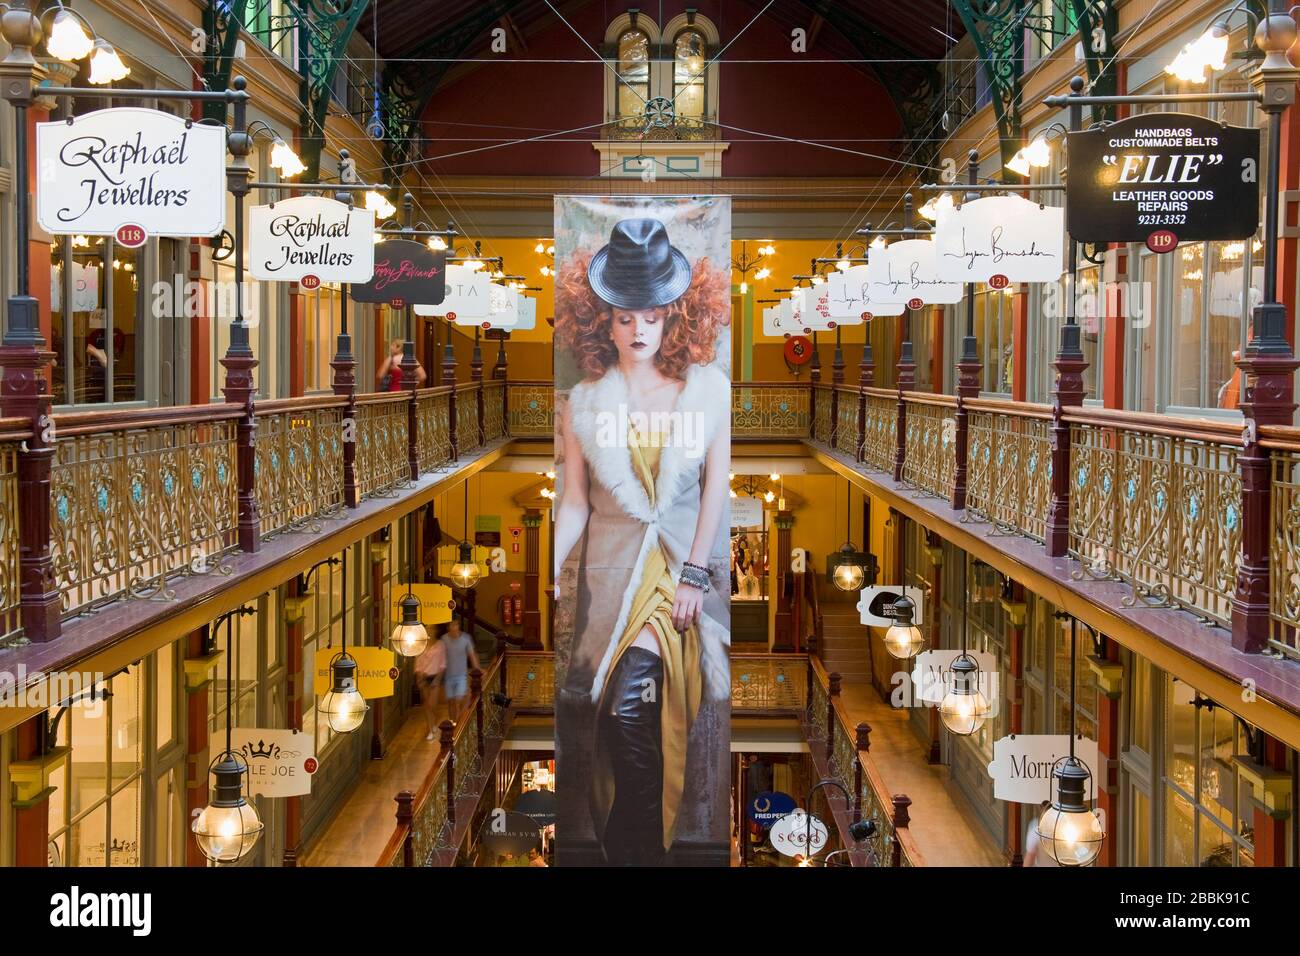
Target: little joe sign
147 170
311 236
1182 176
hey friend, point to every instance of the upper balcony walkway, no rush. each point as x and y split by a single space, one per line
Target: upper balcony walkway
1142 526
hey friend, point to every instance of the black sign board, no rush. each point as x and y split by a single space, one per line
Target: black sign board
406 273
1163 178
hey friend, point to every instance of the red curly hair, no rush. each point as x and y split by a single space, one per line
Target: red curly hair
583 320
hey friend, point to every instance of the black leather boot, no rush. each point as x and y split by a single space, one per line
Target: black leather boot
631 735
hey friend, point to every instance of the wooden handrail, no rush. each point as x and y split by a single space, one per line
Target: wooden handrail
380 398
393 848
277 406
889 394
70 424
930 398
1200 429
1000 406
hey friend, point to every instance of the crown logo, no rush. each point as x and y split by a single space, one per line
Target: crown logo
261 749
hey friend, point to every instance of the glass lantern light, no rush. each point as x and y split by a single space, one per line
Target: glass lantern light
465 573
1070 831
848 568
964 708
343 706
904 639
410 637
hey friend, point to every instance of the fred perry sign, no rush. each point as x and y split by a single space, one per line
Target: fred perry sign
140 168
1163 172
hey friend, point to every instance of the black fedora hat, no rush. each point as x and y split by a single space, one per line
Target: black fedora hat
639 269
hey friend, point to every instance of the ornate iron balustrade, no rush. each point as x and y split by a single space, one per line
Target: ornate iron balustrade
822 421
382 453
1009 482
1284 541
532 409
530 680
769 410
10 516
433 422
847 439
768 683
880 436
467 422
139 496
494 410
1157 504
298 469
931 452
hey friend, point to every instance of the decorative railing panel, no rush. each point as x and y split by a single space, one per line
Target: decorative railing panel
433 443
768 410
9 541
299 461
847 439
494 410
1284 544
530 680
768 683
382 455
1159 510
880 436
136 499
532 407
822 413
1009 481
931 452
467 436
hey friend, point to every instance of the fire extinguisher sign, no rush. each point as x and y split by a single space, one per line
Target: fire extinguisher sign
514 539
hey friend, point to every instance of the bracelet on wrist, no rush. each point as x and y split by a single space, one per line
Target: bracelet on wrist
694 577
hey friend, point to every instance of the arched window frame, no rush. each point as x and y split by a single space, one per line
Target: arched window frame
663 58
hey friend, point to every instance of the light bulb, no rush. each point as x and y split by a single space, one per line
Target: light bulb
770 497
410 638
539 248
343 706
762 274
284 159
105 65
228 827
1207 52
378 203
878 242
844 265
774 477
848 577
437 243
1039 152
732 493
68 41
1019 163
964 708
473 265
744 287
465 573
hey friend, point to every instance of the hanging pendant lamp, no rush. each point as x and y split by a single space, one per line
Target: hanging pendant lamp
343 706
410 638
964 707
904 640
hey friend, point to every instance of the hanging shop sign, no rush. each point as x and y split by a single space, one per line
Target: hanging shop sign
798 833
312 239
510 834
376 670
932 677
406 273
746 512
778 320
436 603
876 604
768 807
133 171
849 296
1022 764
280 762
999 240
812 310
503 308
908 271
466 298
538 805
1163 178
527 313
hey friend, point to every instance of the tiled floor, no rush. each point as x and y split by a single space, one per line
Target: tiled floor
361 828
945 832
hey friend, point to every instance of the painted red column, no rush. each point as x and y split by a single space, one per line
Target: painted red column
1270 830
31 816
1020 344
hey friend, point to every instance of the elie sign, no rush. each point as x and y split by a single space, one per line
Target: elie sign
1170 173
311 236
406 273
148 171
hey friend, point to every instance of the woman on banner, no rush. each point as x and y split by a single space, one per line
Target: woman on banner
646 449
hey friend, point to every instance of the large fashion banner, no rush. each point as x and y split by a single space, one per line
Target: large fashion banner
643 448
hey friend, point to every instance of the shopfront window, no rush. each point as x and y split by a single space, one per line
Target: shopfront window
1208 820
322 315
689 94
322 630
994 330
633 73
94 809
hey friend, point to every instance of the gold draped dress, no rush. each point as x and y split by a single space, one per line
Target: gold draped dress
652 607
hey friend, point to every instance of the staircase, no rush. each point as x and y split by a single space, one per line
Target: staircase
844 647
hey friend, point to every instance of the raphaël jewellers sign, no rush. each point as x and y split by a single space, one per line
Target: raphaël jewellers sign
1022 764
311 236
130 167
1007 236
1163 178
280 762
